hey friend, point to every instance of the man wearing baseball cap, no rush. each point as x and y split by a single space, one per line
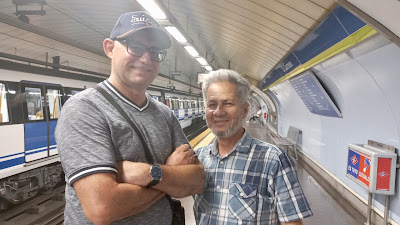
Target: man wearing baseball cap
109 179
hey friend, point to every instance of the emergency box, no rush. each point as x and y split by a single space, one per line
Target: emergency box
373 166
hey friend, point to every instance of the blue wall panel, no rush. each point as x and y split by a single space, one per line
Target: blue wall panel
337 26
350 22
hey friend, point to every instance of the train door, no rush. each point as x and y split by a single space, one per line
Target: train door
53 101
41 109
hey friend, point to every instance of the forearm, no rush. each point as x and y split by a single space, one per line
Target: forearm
104 200
139 200
183 180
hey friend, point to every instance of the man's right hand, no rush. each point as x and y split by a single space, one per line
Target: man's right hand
134 173
182 155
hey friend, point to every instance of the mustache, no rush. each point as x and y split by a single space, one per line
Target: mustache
222 118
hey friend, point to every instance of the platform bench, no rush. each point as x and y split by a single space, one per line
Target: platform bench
290 140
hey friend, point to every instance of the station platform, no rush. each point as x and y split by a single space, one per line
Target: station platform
325 208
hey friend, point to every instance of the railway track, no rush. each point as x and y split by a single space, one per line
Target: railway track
47 209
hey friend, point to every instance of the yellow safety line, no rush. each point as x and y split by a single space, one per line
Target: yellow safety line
200 137
206 141
346 43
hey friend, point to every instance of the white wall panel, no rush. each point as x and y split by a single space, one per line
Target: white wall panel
366 89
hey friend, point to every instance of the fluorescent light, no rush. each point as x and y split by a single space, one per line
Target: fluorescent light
202 61
208 68
176 34
153 9
191 51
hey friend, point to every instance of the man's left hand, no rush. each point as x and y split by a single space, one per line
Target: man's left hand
182 155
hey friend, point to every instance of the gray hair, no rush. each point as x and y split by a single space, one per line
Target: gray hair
224 75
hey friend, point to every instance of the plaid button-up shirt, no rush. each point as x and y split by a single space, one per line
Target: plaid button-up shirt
255 183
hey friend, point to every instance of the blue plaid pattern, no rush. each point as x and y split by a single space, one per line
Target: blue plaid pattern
256 183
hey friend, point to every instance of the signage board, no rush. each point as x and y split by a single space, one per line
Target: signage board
358 166
372 168
314 95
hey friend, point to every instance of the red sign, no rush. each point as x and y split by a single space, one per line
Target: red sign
364 169
383 174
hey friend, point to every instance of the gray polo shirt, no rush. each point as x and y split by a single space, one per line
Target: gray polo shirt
92 136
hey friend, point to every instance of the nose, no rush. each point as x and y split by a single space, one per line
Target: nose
220 110
145 58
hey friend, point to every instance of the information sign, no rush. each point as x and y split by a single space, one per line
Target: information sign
359 167
313 95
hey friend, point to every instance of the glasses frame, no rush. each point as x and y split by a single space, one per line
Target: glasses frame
163 51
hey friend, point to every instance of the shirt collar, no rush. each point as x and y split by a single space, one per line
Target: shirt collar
242 146
111 87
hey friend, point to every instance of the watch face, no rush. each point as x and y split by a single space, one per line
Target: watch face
156 172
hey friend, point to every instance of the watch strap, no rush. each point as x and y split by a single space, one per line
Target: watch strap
153 183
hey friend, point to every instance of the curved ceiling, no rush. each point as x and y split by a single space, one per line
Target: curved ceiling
250 36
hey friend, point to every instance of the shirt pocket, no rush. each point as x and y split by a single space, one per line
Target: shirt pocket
243 201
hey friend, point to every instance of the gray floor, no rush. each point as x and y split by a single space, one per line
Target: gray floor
326 210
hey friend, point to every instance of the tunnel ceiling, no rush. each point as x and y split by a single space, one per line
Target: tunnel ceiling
250 36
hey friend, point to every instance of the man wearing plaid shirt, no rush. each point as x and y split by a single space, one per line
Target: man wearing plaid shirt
248 181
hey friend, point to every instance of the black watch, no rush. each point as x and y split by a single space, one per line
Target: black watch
156 175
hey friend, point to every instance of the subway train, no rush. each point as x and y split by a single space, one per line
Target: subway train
29 107
326 69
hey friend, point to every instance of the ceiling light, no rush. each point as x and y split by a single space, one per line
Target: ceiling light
176 34
208 68
153 9
191 51
202 61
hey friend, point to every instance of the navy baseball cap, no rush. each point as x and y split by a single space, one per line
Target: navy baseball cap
129 23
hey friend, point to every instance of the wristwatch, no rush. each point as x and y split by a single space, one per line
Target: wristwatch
156 175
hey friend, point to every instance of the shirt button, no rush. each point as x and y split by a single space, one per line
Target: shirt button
215 212
218 187
241 194
222 162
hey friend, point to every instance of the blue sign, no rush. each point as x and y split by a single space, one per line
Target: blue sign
314 96
353 163
337 26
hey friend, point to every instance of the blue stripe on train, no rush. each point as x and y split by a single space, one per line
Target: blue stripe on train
12 162
11 155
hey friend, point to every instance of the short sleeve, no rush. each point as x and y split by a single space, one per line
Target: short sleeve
84 141
291 202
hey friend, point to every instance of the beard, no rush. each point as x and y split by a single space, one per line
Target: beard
230 131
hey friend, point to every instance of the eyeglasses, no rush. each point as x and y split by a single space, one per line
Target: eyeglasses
138 50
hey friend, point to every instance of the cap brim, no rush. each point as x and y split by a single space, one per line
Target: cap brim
159 35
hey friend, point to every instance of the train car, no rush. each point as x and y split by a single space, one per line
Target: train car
29 109
187 109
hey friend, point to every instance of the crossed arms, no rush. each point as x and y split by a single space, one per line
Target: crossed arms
107 197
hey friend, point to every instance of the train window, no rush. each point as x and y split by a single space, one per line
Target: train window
3 104
180 102
185 104
176 103
157 98
34 103
54 101
194 104
201 104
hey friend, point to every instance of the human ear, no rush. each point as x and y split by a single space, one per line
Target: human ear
108 46
246 109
